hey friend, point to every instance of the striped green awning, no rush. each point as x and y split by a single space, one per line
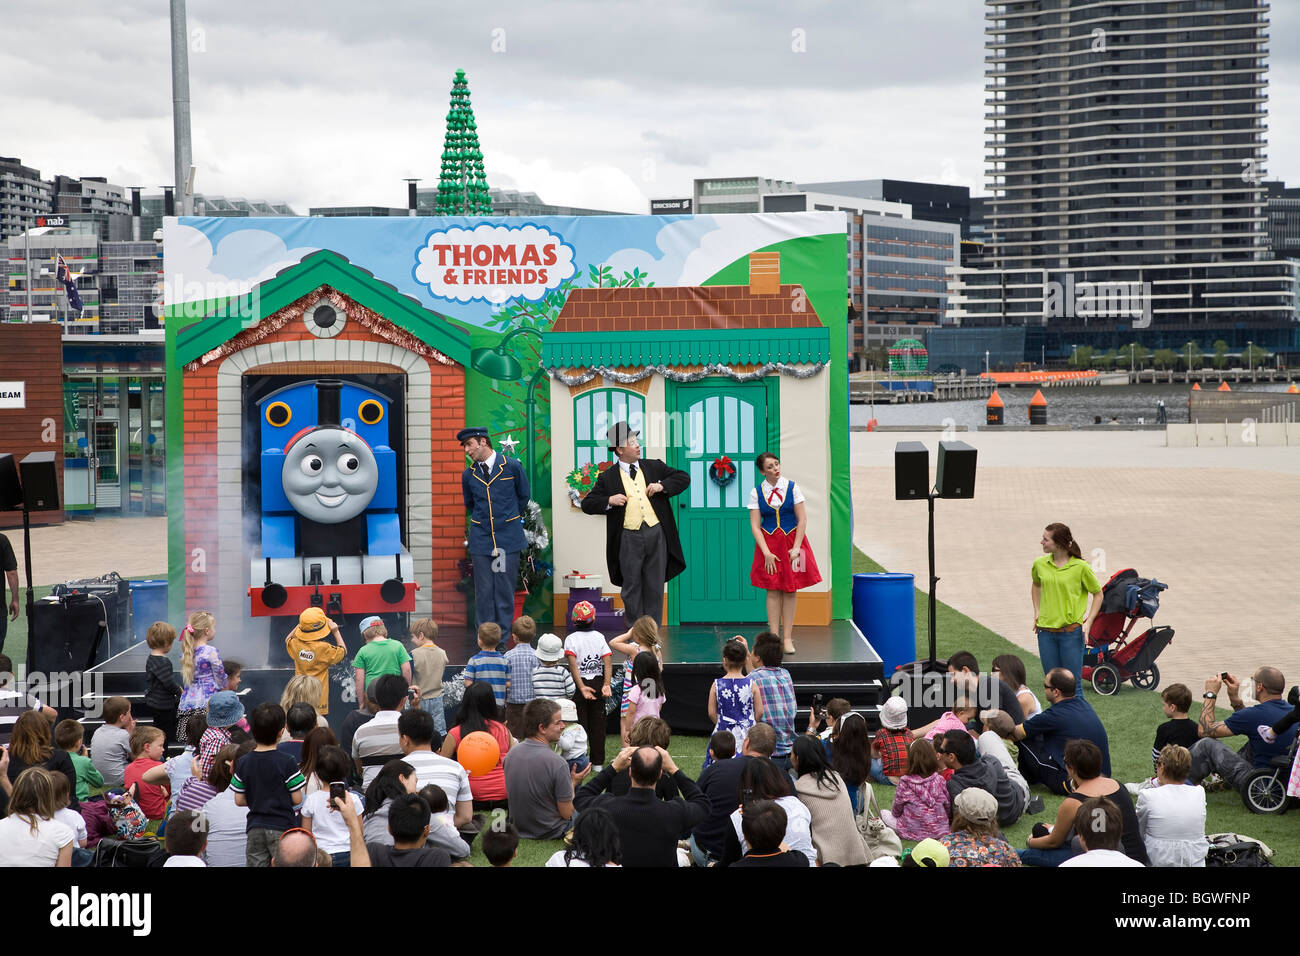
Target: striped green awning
678 347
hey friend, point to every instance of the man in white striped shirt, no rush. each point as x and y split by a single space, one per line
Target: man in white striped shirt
376 741
415 734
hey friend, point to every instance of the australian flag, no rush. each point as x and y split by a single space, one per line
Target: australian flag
70 284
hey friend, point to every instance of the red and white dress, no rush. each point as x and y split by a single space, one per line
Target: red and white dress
777 523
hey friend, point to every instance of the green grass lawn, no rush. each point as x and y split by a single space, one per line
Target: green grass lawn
1130 716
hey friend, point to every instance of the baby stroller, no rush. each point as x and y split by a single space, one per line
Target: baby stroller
1111 657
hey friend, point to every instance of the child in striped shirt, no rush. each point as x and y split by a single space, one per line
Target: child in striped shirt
488 665
552 679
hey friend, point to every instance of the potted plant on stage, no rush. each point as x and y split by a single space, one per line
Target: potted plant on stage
581 480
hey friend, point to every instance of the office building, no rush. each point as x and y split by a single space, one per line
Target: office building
357 211
933 202
155 206
511 202
1283 212
23 196
1123 145
896 265
736 194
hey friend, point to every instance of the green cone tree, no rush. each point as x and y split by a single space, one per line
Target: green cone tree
462 186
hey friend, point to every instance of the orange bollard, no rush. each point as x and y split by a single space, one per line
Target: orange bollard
994 409
1038 409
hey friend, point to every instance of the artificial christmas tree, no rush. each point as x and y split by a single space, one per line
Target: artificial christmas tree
462 186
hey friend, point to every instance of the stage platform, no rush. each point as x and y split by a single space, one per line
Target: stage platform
833 660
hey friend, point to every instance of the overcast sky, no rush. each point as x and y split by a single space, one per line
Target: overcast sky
597 104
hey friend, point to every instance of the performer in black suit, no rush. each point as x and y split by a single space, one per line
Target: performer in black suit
641 544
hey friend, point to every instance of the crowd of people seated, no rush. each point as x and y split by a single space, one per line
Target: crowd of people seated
276 786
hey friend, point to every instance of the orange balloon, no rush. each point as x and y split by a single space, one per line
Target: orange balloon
478 753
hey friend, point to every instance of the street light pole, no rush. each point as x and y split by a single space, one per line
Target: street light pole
181 105
986 361
1250 358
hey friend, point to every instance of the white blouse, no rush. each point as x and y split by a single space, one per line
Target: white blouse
1172 820
782 485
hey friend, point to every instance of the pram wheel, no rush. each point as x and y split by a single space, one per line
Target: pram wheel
1264 791
1145 680
1105 680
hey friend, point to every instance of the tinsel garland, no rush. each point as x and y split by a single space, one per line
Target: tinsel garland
369 320
629 378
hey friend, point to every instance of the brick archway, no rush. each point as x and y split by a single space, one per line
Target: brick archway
435 409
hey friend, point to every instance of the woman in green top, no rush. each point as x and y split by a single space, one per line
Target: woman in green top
1063 612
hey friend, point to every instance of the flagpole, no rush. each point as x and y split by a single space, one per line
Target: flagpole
27 251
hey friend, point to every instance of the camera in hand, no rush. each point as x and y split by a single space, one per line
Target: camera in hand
338 790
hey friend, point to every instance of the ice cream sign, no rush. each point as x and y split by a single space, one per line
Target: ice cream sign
493 263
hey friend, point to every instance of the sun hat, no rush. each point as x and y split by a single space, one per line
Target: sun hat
583 613
549 648
312 624
373 620
224 709
893 713
976 805
568 710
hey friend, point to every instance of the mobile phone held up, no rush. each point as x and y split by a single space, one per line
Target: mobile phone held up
338 790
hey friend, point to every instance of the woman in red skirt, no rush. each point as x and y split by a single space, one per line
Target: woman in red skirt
783 561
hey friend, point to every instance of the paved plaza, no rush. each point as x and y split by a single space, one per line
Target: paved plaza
1220 526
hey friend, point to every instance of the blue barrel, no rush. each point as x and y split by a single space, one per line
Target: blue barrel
884 609
148 604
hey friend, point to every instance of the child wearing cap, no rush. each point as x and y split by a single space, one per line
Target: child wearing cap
225 710
311 654
889 746
429 660
572 745
380 656
592 668
488 665
552 678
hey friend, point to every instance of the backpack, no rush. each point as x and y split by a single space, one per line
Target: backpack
1233 849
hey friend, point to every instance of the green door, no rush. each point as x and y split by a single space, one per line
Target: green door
718 418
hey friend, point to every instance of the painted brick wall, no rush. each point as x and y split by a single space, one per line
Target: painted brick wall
33 354
446 462
199 402
446 465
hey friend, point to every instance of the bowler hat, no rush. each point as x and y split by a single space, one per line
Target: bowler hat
619 433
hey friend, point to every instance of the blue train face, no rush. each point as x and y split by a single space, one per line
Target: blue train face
330 475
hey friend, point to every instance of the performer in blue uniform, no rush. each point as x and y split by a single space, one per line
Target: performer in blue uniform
496 497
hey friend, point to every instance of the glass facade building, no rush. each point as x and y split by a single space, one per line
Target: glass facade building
1125 149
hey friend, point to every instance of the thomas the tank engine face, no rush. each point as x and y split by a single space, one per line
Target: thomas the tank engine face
330 475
